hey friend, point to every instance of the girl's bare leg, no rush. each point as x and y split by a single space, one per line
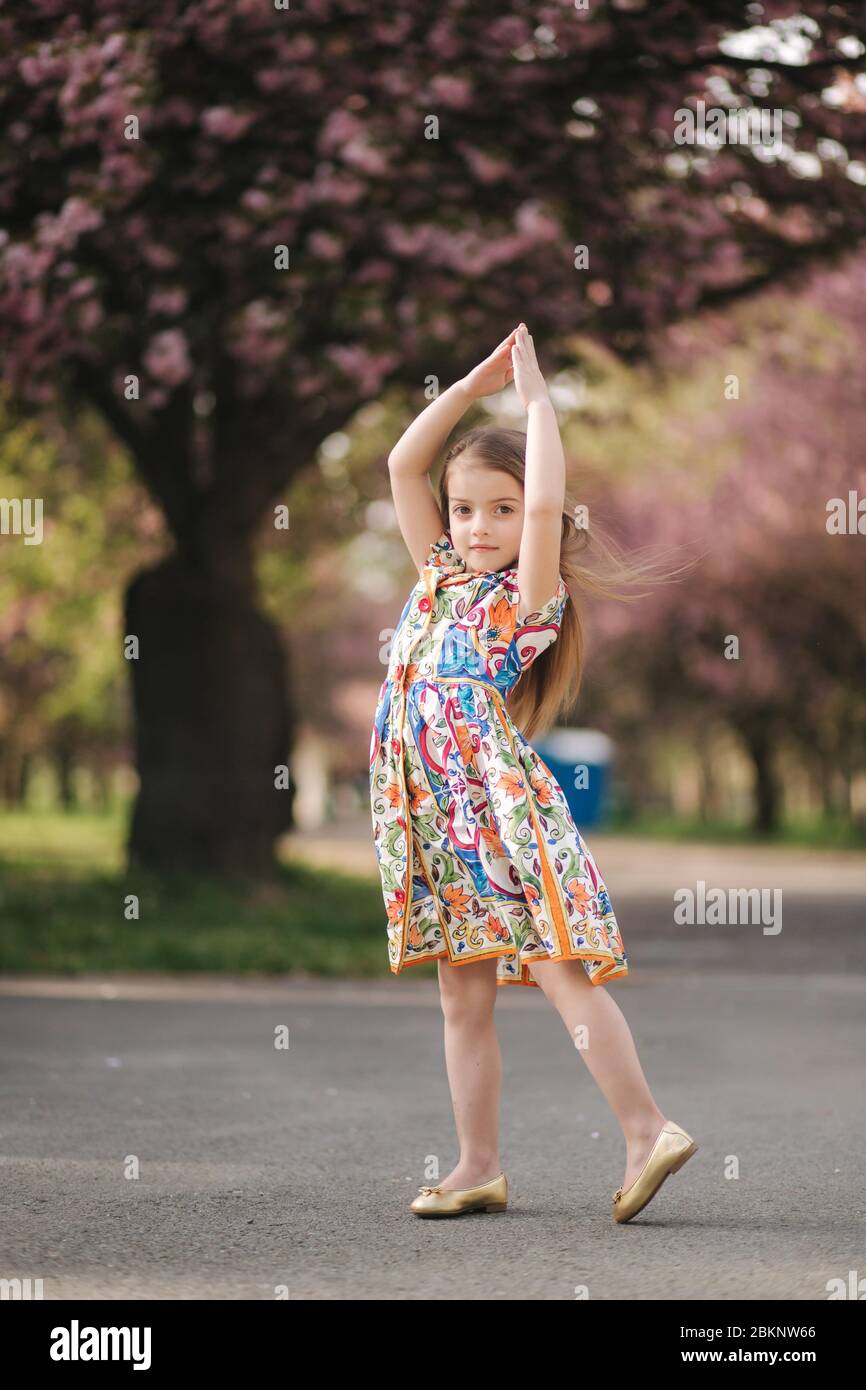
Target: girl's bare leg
609 1053
474 1063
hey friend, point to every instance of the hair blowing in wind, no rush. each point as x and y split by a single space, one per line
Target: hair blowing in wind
590 563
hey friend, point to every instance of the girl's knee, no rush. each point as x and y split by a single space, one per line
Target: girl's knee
467 990
552 975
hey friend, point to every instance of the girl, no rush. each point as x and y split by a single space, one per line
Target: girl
481 863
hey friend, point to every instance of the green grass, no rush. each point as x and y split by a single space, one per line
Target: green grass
64 905
64 895
814 832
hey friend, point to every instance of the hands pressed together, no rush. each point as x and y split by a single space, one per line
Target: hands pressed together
513 360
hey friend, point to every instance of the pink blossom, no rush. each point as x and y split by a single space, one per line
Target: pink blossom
342 189
23 263
113 46
64 228
32 306
167 357
337 129
262 316
307 385
531 219
364 156
225 123
394 31
366 368
484 166
158 256
124 172
444 42
325 246
471 253
168 301
82 287
407 241
297 49
39 68
258 335
375 273
442 327
454 92
256 200
176 110
89 316
509 31
234 228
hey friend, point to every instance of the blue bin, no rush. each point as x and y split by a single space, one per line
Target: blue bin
580 760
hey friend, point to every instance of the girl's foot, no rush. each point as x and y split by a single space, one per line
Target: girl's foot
468 1175
638 1150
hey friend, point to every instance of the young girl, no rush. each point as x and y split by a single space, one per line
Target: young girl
482 866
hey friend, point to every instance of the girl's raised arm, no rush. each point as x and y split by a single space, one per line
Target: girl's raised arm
409 463
412 457
544 483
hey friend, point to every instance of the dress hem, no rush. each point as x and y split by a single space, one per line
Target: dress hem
524 977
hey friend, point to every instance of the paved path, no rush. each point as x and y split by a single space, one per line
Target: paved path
261 1168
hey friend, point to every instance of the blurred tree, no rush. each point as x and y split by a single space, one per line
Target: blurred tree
62 696
774 577
227 226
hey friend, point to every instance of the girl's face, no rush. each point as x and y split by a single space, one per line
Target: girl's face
485 516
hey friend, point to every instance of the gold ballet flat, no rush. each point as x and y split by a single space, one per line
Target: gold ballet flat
670 1151
436 1201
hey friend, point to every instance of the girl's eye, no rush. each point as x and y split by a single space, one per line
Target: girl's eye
502 508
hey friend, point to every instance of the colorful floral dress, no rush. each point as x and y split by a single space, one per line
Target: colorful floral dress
497 865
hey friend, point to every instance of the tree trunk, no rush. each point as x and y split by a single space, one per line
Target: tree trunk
24 778
766 787
709 800
212 718
64 763
12 776
102 781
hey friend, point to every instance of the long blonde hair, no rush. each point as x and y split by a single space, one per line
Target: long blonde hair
548 689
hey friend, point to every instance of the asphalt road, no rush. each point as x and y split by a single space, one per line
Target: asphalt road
262 1168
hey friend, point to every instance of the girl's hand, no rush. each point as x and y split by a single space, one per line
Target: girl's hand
494 373
528 380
